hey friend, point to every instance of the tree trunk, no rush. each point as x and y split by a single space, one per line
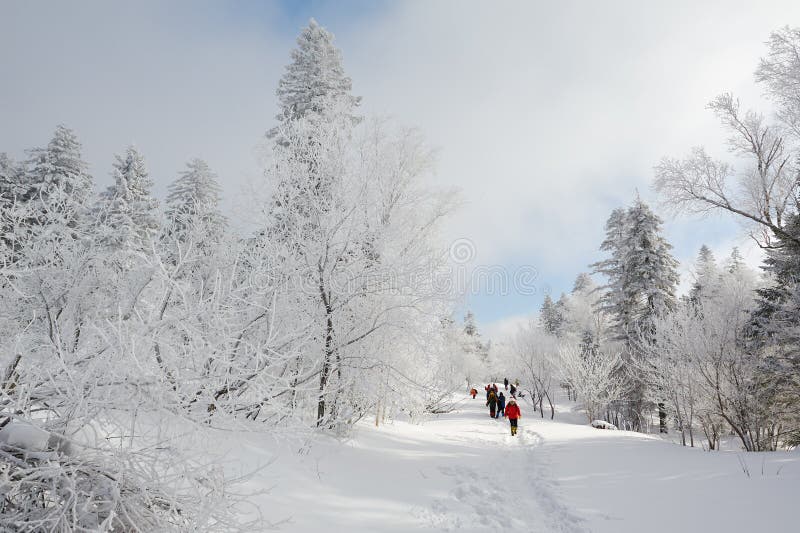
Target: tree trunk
329 355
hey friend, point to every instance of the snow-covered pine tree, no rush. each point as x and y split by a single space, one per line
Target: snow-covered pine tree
12 177
12 192
551 315
473 343
470 328
651 271
585 321
582 282
313 79
59 187
776 331
193 205
314 89
126 216
706 276
735 261
613 268
641 281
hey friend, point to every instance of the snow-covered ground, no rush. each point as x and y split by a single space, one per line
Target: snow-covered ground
464 472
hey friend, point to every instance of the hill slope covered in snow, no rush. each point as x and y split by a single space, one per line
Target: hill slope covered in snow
464 472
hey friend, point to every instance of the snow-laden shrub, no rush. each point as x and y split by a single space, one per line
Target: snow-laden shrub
49 484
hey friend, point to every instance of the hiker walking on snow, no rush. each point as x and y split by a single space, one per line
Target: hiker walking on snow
505 382
513 390
474 392
492 403
513 414
501 406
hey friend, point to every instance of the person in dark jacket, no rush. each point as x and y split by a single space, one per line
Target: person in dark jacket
505 382
501 405
492 403
513 390
513 415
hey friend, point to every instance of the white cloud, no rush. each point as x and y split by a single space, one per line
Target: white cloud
548 115
502 330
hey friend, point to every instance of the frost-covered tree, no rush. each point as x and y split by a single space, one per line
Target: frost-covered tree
765 193
12 191
314 88
472 343
126 216
193 203
314 79
351 293
59 188
641 272
551 315
585 320
641 281
706 275
582 283
735 261
12 179
650 270
536 361
776 326
594 379
612 300
470 328
707 372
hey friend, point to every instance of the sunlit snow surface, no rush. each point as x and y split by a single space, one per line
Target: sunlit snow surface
464 472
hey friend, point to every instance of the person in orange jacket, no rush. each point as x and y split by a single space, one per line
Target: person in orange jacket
513 414
474 392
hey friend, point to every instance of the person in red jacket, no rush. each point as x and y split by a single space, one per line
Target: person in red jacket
474 392
513 414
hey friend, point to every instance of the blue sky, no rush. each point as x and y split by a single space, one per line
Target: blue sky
546 115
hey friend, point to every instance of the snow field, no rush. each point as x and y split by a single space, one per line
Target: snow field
464 472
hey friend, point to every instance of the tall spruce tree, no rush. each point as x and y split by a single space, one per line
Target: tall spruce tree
641 272
774 335
126 216
470 328
12 179
651 271
582 282
735 261
193 205
551 315
707 276
314 79
315 121
59 187
473 342
613 268
314 90
641 281
12 192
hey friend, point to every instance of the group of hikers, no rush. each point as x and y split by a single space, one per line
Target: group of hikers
499 406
